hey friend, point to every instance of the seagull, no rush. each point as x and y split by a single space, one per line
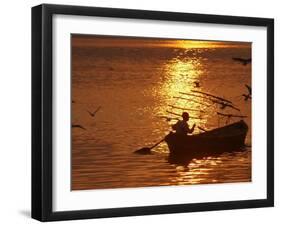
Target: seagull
242 61
197 84
249 95
168 119
249 89
77 126
94 113
223 105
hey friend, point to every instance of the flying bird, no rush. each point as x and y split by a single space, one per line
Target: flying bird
77 126
168 119
242 60
249 95
249 89
197 84
223 105
94 113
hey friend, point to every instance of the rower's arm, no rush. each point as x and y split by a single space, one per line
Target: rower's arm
192 129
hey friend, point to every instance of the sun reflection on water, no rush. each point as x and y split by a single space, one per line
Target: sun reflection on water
182 75
197 171
200 171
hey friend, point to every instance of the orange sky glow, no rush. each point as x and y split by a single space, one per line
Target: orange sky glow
117 41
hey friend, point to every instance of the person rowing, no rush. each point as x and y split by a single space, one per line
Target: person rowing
182 127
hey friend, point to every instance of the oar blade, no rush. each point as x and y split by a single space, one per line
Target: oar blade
144 151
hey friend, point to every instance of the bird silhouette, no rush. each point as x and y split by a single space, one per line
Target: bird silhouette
249 94
197 84
249 89
77 126
168 119
223 105
247 97
94 113
242 61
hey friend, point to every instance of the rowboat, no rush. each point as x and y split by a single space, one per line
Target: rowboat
228 138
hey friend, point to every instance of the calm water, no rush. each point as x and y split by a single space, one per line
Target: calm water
134 87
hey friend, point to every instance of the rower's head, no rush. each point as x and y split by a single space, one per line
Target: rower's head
185 116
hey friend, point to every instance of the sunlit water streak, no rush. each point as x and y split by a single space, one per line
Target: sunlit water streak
134 86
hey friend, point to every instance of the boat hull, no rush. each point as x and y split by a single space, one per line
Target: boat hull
215 142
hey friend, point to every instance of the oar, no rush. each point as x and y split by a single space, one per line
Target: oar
147 150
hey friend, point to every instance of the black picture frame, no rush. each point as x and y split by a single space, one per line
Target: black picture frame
42 107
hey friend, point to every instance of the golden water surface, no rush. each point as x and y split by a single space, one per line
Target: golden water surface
139 84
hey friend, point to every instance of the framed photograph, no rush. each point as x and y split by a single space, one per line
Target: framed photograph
146 112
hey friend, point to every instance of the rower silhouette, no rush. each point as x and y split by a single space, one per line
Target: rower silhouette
182 127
